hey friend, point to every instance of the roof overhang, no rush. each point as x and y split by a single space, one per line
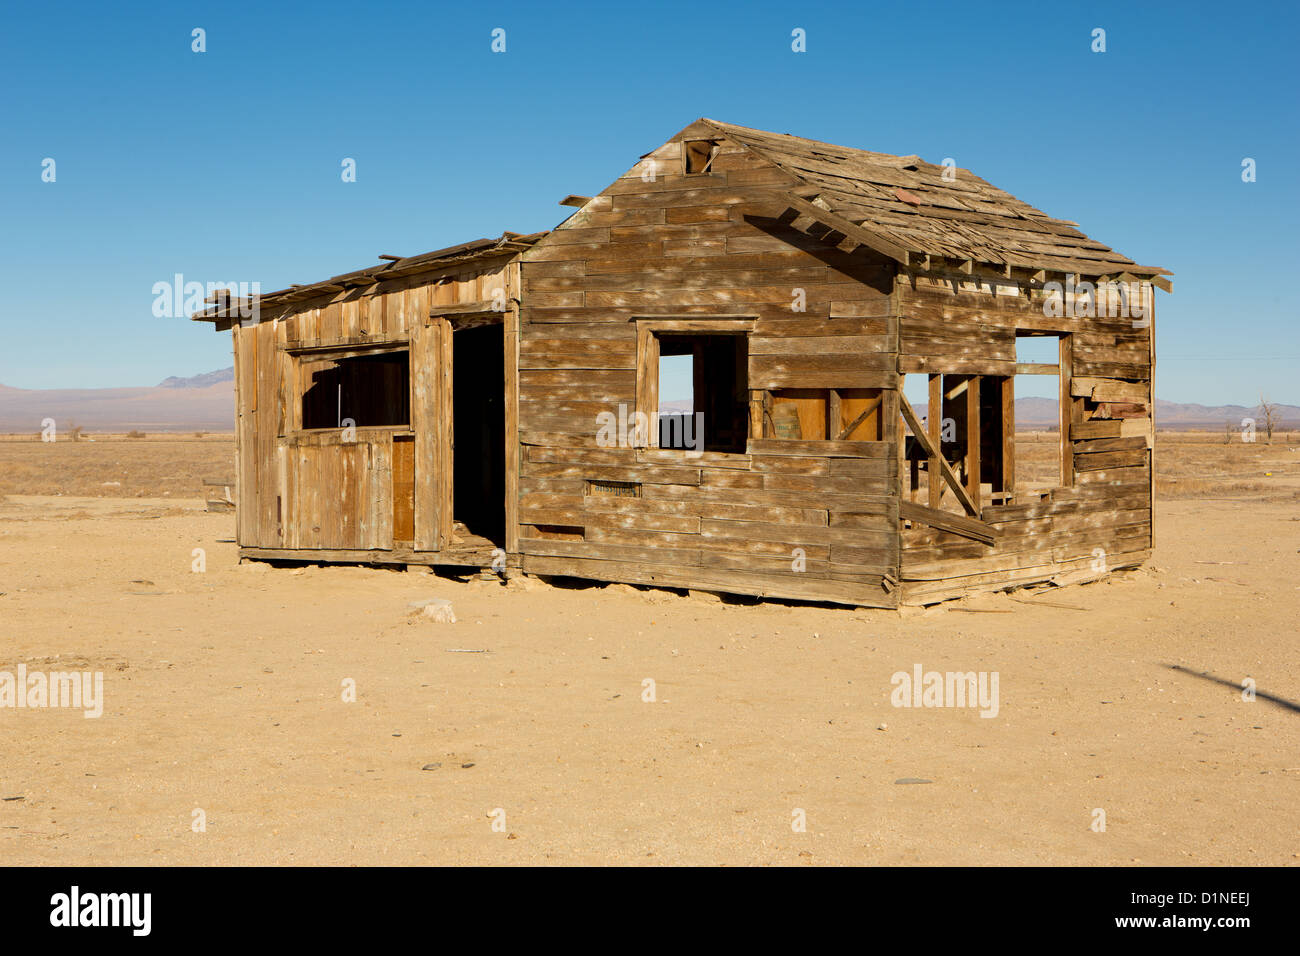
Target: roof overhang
225 310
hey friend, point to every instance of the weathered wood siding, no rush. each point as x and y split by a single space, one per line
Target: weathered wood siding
681 246
967 324
309 490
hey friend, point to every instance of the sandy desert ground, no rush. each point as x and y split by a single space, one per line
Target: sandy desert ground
223 692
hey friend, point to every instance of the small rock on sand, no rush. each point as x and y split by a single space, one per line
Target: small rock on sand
437 610
524 582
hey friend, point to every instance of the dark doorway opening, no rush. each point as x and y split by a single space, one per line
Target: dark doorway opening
479 431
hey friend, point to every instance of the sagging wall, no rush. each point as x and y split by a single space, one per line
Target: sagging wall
380 489
1101 515
815 519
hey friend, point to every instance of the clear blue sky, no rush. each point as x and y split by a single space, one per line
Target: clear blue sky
225 165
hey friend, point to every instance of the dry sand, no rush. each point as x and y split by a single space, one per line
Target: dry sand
223 692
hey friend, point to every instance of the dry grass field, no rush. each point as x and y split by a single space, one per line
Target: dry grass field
224 696
115 466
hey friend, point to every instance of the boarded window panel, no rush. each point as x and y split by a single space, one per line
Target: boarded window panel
798 413
855 401
818 413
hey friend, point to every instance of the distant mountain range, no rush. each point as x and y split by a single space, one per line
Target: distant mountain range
207 403
202 403
1040 412
200 381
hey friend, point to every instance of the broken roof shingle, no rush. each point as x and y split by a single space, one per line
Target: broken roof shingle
508 242
910 204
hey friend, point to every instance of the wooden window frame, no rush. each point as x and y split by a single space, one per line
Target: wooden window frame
714 148
648 328
293 360
1069 408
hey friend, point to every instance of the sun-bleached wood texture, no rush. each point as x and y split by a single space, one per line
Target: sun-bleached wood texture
320 492
1100 517
815 517
803 281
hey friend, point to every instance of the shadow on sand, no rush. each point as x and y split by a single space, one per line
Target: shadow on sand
1262 695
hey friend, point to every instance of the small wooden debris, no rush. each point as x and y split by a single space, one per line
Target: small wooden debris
1067 607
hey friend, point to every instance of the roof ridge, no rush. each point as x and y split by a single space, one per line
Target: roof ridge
909 158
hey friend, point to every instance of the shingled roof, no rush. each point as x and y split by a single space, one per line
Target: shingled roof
906 204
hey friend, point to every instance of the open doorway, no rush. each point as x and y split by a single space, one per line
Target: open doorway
478 429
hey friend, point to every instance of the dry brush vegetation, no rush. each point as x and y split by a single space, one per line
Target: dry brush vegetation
115 466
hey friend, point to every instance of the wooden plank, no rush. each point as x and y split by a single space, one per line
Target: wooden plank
762 584
914 423
1096 429
1107 460
270 496
402 486
1092 446
1122 392
447 421
934 421
426 423
862 416
818 448
947 521
756 413
1150 302
1008 438
512 450
1037 368
1065 408
973 440
647 382
860 234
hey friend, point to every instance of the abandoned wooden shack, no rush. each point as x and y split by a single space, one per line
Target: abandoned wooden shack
344 400
503 398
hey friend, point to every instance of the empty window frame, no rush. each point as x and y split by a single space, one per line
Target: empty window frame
692 383
1042 385
971 430
698 155
710 373
369 390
